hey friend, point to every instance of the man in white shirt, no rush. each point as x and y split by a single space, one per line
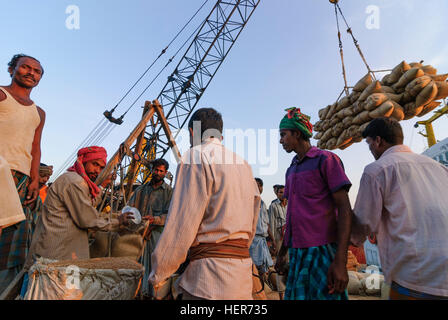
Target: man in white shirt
402 199
211 219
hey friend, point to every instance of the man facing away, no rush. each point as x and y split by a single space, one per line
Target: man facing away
402 199
318 217
21 124
212 218
153 200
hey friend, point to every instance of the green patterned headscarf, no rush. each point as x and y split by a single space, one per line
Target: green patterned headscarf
294 119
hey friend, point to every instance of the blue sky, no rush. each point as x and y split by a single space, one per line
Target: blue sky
286 56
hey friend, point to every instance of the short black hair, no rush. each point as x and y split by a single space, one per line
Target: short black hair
209 118
16 57
280 186
160 162
259 181
386 128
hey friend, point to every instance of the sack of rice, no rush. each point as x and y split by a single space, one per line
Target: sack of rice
429 69
385 80
318 135
99 279
337 130
318 125
363 127
374 87
348 112
357 108
334 121
371 285
394 97
354 96
442 90
407 77
354 285
352 131
331 144
387 89
358 137
347 122
323 112
416 64
362 118
340 114
426 95
429 107
128 245
438 77
102 240
374 100
331 111
343 103
411 111
325 125
326 135
398 112
384 110
363 83
342 141
397 72
415 86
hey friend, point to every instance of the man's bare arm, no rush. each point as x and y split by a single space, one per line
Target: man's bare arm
337 274
33 188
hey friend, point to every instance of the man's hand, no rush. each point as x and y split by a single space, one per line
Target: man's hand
124 218
337 277
33 192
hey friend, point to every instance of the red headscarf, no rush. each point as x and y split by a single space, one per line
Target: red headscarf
84 155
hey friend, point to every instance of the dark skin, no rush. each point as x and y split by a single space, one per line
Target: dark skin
158 174
93 168
280 196
25 76
337 277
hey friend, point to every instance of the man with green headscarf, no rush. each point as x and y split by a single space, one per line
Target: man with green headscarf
318 217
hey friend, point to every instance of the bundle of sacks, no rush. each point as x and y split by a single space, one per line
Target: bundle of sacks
409 90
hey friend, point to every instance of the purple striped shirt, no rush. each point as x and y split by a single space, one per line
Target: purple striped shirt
311 215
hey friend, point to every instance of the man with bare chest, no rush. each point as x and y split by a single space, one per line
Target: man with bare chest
21 124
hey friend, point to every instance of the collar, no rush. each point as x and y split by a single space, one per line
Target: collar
397 148
211 140
163 185
313 152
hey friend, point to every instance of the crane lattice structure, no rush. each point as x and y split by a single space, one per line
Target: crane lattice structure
181 93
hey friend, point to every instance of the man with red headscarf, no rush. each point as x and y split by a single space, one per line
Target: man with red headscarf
69 211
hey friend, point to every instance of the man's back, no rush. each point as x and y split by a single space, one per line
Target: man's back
414 221
215 199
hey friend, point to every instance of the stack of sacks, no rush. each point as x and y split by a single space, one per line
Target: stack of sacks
409 90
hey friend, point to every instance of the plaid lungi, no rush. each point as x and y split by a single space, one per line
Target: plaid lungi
307 277
16 239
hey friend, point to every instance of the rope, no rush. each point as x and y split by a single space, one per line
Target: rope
349 31
341 52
